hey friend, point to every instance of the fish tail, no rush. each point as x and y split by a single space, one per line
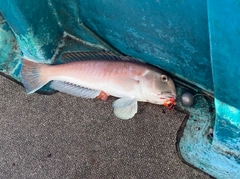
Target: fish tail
32 76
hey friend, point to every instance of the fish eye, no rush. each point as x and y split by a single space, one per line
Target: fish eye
164 78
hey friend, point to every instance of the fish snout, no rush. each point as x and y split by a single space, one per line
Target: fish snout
169 94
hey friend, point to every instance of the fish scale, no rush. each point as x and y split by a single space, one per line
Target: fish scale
119 76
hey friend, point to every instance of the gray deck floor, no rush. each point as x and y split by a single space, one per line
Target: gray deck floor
61 136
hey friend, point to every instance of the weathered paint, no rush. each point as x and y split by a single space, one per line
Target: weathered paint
225 40
198 145
171 34
9 61
219 157
34 27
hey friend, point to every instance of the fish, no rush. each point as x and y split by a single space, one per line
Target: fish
100 75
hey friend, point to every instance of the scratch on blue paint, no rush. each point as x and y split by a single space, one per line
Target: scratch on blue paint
189 47
228 112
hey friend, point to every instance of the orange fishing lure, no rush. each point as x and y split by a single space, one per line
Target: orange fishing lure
169 103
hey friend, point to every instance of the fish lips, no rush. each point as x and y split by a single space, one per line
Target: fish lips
168 95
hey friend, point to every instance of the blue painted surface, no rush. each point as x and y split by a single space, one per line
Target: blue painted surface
199 146
220 156
225 40
169 34
35 28
172 35
9 61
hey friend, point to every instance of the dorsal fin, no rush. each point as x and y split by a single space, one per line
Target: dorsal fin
79 56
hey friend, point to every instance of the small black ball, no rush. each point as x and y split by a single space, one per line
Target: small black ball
187 99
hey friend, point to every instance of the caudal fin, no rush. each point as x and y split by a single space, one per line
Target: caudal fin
32 76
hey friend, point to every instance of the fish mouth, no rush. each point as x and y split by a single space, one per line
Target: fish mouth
168 95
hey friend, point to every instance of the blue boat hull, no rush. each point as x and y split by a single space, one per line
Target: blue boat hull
195 41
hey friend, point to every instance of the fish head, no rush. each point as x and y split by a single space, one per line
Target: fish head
158 88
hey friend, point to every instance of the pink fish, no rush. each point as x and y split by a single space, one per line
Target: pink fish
100 74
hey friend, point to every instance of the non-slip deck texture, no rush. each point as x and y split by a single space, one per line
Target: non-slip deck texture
65 137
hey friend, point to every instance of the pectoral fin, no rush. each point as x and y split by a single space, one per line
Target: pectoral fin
125 108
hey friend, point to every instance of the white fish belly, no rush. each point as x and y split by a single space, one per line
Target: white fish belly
111 87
